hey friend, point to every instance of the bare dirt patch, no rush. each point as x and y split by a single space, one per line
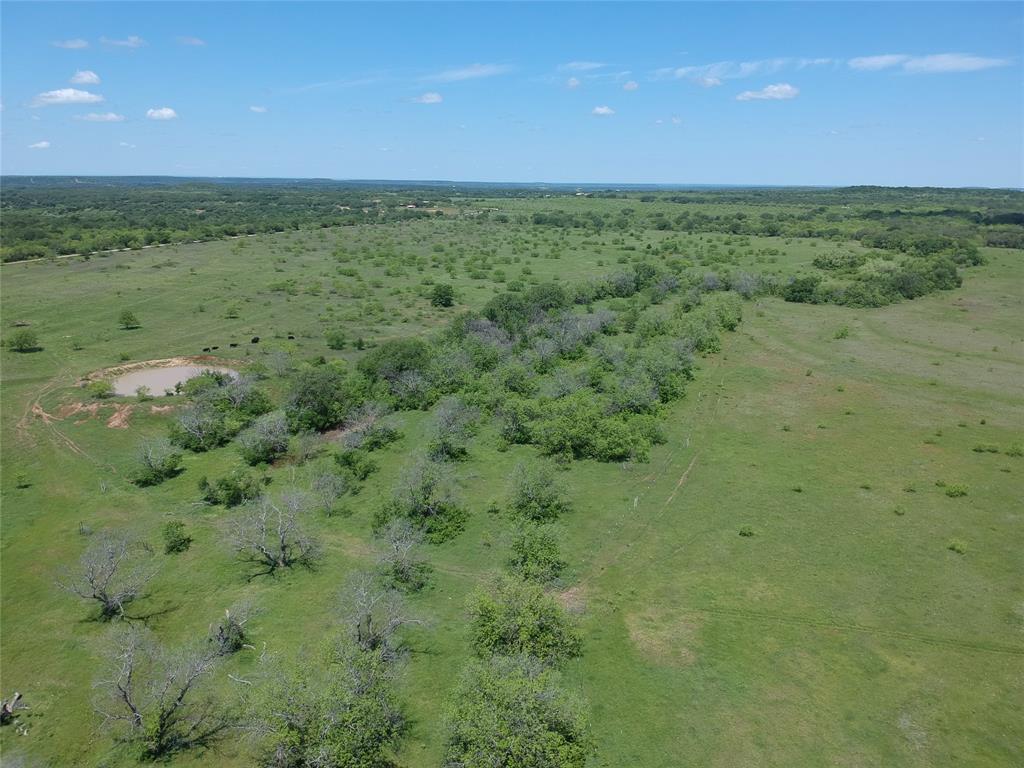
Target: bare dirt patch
119 418
573 599
664 638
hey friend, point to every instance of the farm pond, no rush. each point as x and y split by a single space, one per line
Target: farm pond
160 379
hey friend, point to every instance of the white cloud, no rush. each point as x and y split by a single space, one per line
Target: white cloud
951 62
71 45
132 41
126 145
161 113
431 97
471 72
85 77
676 120
935 63
65 96
602 111
40 145
632 85
258 110
776 92
101 117
711 75
580 66
572 82
874 63
804 63
196 41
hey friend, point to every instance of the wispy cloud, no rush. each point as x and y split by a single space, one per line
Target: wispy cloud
711 75
431 97
935 63
40 145
85 77
195 41
161 113
472 72
572 82
342 83
258 110
777 92
873 63
65 96
74 44
132 41
126 145
101 117
602 111
952 62
580 66
631 85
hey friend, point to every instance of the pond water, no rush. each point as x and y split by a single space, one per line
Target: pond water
160 379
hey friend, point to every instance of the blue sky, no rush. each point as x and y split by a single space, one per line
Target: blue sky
733 93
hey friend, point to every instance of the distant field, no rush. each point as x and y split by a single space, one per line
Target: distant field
844 631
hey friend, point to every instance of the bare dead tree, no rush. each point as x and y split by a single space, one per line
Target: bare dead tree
271 533
107 573
401 562
373 614
153 697
328 487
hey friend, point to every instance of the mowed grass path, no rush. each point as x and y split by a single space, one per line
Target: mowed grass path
839 634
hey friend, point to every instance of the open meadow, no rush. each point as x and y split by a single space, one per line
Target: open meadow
810 553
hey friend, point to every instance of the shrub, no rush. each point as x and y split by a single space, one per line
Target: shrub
1015 450
336 339
100 389
443 295
127 320
23 340
957 545
985 448
535 555
175 538
746 531
512 712
156 461
535 494
319 398
956 490
233 489
265 439
425 495
514 617
801 289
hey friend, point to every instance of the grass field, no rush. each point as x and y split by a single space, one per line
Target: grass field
843 632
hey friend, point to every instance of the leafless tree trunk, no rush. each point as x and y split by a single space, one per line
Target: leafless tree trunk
150 694
107 575
270 533
373 614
